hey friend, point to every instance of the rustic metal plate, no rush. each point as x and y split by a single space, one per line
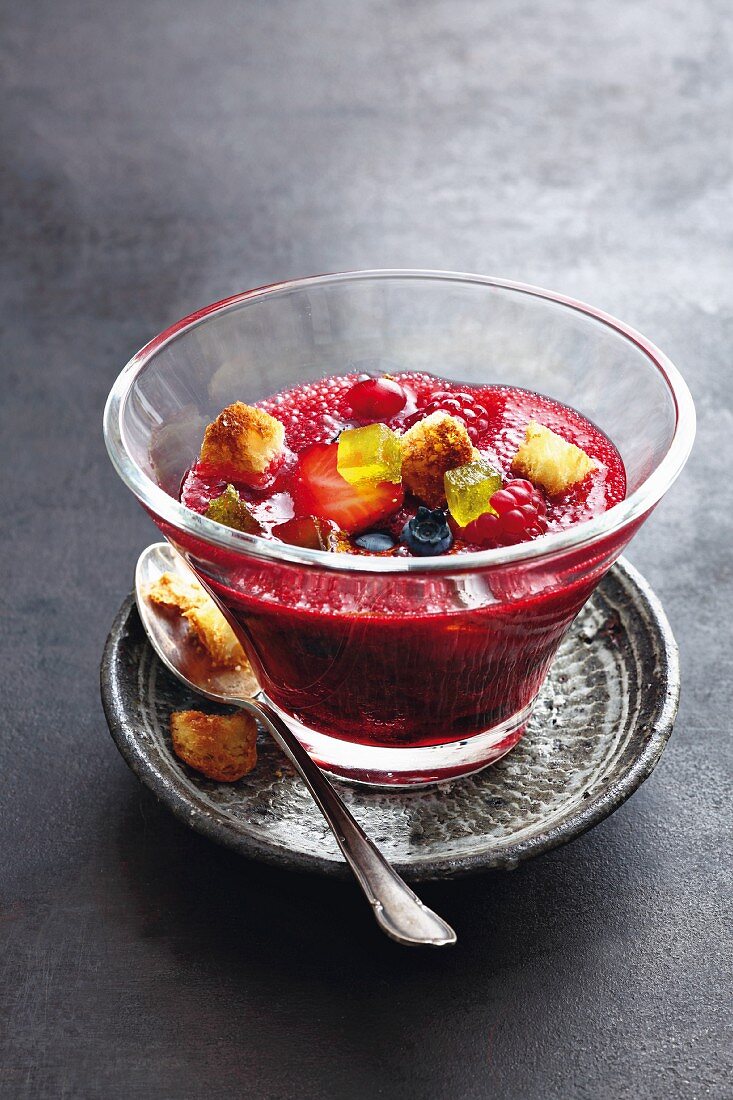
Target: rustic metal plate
600 726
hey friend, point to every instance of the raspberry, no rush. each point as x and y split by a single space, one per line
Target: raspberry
521 514
457 403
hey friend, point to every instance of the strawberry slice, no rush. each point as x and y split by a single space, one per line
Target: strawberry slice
320 490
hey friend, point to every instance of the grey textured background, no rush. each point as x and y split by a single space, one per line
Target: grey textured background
158 155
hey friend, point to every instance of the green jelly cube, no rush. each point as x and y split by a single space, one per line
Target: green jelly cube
231 511
372 453
469 488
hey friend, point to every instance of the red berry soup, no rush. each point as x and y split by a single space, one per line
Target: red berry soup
404 466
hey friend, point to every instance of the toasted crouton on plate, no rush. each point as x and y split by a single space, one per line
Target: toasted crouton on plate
243 441
430 448
222 747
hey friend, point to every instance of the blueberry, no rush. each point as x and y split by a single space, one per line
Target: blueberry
427 533
376 542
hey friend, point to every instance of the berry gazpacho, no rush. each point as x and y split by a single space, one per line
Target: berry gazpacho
403 466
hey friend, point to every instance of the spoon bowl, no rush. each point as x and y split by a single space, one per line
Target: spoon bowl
173 641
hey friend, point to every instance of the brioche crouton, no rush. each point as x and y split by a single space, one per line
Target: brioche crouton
171 592
548 460
215 635
243 441
430 448
222 747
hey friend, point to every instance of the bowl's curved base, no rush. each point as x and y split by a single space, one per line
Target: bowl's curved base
380 766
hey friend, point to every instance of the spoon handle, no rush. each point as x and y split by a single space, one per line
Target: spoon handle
397 909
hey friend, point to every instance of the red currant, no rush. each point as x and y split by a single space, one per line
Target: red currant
520 515
376 399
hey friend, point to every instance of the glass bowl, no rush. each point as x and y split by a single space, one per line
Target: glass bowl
401 670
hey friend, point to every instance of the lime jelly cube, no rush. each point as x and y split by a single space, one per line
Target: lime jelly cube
232 511
372 453
469 488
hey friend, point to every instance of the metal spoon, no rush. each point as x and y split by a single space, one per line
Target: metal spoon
398 911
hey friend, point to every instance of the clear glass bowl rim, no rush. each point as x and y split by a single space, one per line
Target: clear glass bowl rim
580 535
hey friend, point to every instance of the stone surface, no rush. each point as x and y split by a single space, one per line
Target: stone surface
160 155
